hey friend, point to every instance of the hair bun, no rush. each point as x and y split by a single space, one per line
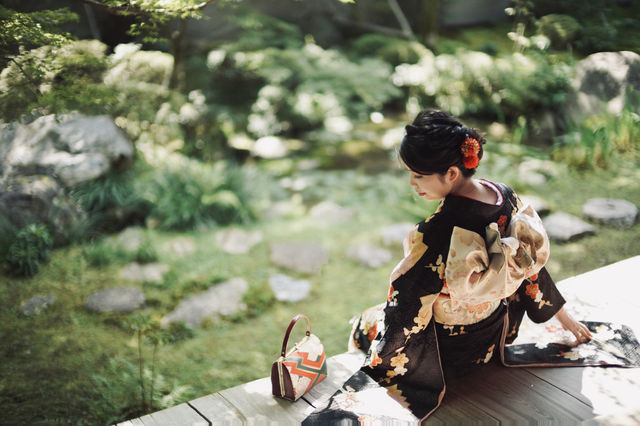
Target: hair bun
414 130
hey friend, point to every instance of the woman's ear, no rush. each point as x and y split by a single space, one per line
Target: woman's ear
453 174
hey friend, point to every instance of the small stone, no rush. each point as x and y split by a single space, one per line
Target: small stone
149 273
305 257
611 212
369 255
538 204
181 246
37 304
287 289
221 299
565 227
395 234
237 241
330 212
116 299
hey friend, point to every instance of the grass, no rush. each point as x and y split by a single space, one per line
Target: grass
67 365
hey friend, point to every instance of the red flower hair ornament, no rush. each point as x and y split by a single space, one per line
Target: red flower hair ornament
470 149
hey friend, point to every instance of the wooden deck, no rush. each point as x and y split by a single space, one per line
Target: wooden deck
571 395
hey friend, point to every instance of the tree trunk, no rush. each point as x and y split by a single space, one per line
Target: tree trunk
428 23
178 43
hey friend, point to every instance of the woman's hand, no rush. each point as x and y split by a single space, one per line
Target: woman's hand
579 330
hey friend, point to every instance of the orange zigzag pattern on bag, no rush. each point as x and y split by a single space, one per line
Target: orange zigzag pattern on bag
300 364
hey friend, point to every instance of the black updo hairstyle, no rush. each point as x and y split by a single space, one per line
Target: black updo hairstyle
432 143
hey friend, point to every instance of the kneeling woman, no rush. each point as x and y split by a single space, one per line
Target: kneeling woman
469 273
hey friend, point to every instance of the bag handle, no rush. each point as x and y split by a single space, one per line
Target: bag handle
293 322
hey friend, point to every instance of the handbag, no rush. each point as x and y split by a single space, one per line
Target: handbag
298 370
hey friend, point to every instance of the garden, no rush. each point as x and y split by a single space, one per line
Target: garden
280 131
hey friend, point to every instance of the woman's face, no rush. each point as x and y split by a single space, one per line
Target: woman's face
431 187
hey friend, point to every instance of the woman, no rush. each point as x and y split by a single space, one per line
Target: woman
469 273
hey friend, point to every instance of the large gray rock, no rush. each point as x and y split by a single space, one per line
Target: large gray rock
601 83
286 289
221 299
116 299
41 160
611 212
305 257
131 239
74 148
369 255
40 199
565 227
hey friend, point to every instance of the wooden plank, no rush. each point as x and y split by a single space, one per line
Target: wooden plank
611 392
339 369
132 422
218 410
456 409
258 406
180 415
514 395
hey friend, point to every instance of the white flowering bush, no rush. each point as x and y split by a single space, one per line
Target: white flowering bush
474 83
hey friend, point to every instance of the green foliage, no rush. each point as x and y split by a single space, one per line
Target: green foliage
185 193
474 83
392 50
259 30
148 330
308 88
29 250
561 30
604 25
600 141
56 79
114 200
20 31
258 299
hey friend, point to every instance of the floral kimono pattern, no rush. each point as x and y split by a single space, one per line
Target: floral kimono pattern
469 274
448 298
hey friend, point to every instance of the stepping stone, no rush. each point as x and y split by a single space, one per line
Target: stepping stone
37 304
538 204
611 212
181 246
395 234
149 273
221 299
131 239
286 289
369 255
237 241
305 257
116 299
565 227
330 212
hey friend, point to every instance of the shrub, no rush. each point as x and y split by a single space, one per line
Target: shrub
112 202
474 83
290 91
561 30
394 51
29 250
185 193
599 140
56 79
